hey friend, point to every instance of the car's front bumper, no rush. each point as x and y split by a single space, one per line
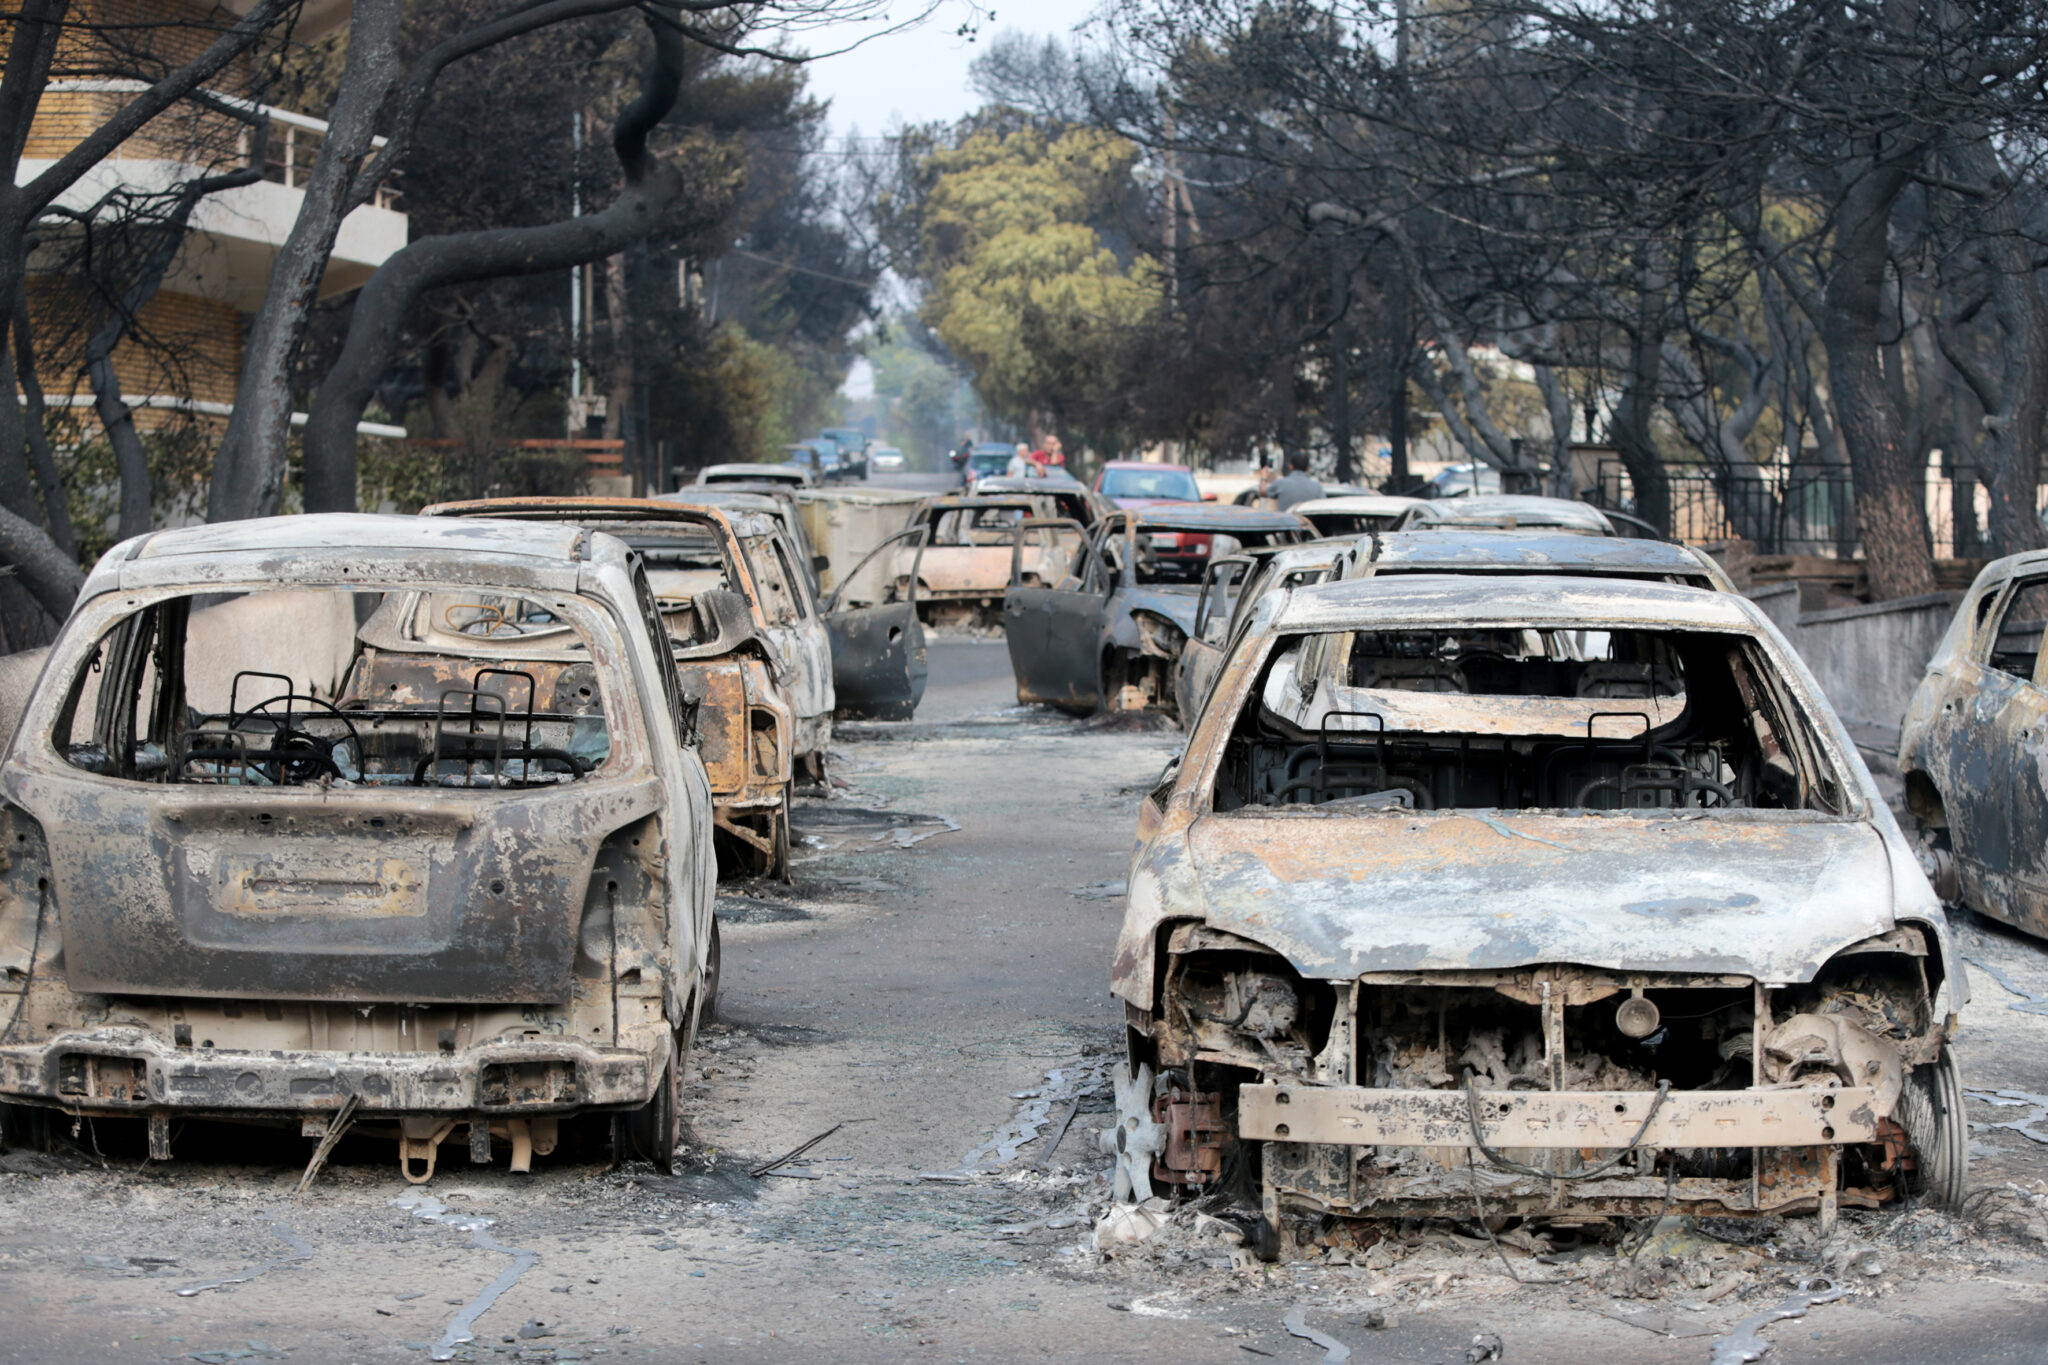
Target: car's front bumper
1759 1150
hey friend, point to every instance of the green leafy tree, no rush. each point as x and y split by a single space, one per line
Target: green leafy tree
1026 287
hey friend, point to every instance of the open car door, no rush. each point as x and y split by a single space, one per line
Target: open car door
878 658
1029 605
1202 656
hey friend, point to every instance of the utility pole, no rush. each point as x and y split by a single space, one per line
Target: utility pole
1338 216
1399 336
1340 359
578 414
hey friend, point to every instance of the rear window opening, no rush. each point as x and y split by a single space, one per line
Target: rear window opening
1522 719
464 688
977 526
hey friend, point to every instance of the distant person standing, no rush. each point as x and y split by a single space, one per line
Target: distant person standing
1297 486
1020 466
1053 455
961 458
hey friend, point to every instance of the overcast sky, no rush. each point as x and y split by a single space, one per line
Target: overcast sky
921 74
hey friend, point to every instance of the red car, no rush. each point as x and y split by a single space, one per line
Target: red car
1139 483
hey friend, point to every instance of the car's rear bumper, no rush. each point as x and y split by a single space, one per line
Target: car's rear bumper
122 1070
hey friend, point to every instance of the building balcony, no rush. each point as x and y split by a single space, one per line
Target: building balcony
232 237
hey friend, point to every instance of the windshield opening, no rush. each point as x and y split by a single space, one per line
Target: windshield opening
1508 718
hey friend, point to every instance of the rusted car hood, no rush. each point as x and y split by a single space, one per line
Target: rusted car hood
1351 892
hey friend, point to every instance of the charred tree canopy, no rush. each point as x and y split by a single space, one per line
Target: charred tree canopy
645 208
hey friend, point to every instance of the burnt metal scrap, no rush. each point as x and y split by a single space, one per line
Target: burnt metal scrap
469 889
1531 895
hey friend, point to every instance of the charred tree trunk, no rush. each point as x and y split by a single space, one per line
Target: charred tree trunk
43 569
1629 427
652 190
248 470
1891 507
2010 464
34 416
131 458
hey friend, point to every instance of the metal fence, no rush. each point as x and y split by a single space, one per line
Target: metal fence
1797 512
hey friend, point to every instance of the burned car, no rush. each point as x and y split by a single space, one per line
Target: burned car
864 660
1236 584
767 499
788 473
448 870
1108 634
1070 497
1507 511
1233 586
1353 514
1972 742
1530 896
725 656
963 565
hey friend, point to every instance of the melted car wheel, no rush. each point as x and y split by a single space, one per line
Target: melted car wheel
1931 1111
709 1013
651 1132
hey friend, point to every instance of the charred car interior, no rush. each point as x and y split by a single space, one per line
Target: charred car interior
1523 719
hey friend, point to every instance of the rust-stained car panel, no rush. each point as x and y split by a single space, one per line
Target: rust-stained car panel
1563 895
470 887
1973 746
725 652
1108 635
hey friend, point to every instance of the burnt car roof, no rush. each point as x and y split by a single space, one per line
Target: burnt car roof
730 504
742 521
1223 518
338 545
1478 548
1562 601
350 531
947 502
1528 507
572 509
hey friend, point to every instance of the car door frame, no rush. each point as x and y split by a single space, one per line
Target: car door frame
879 667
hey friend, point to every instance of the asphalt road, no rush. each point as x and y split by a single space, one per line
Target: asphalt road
936 983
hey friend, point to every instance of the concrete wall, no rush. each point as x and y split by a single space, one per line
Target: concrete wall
1868 659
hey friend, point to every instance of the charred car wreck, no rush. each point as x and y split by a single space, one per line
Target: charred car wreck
448 871
1107 635
1972 745
1530 896
739 682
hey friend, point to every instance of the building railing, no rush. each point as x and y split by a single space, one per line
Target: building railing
292 146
